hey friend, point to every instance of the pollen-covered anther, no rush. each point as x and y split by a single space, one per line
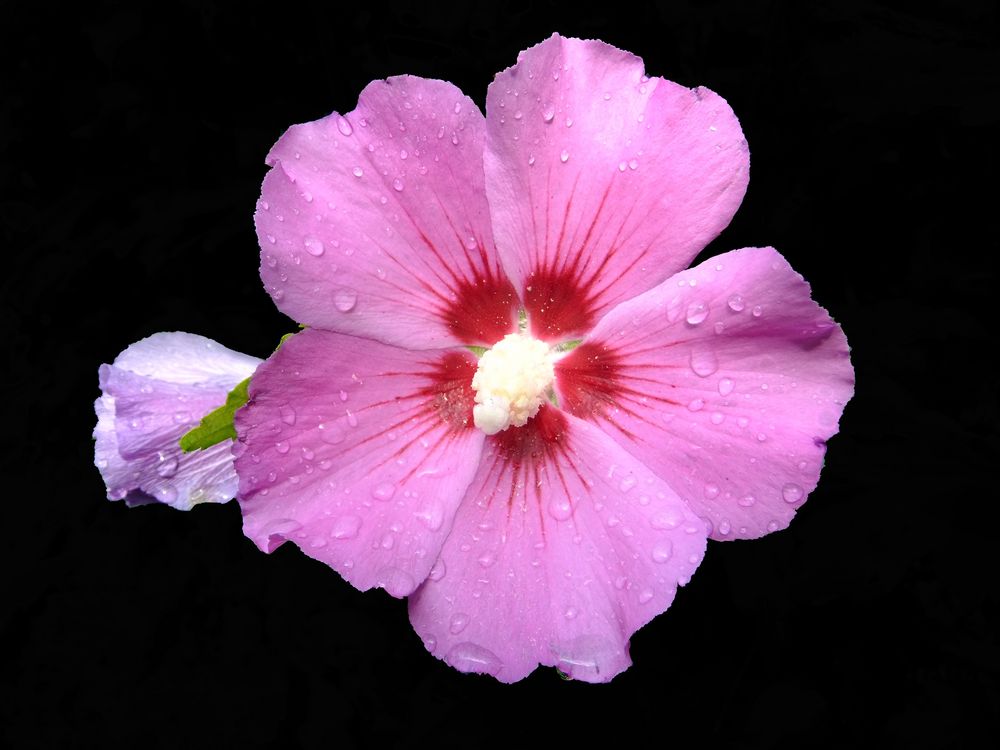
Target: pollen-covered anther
514 378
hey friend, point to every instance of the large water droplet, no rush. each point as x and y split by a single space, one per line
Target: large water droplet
167 466
792 493
459 621
560 508
696 313
431 515
725 386
704 362
346 527
468 657
345 299
662 551
438 570
396 582
384 491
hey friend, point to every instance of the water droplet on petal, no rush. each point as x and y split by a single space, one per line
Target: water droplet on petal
704 362
663 551
345 299
757 311
431 516
351 419
344 126
281 446
346 527
357 171
570 613
669 518
549 114
747 500
792 493
438 570
487 559
725 386
711 491
560 508
314 246
696 405
564 156
717 417
396 582
627 483
384 491
397 185
167 466
633 164
645 595
468 657
725 527
458 623
736 303
696 313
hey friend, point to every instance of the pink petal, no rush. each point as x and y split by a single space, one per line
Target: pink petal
358 452
375 223
602 182
155 391
726 380
563 547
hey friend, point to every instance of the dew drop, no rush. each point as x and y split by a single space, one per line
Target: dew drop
167 466
468 657
438 570
345 299
633 164
645 595
564 156
747 500
570 613
662 551
736 303
314 246
666 519
352 420
627 483
717 417
704 362
397 185
431 516
396 582
287 414
549 114
487 559
346 527
281 446
725 386
725 527
792 493
459 621
560 508
757 311
622 166
357 171
344 126
711 491
384 491
696 405
696 313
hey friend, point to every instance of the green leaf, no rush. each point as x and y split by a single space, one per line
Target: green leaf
479 351
217 425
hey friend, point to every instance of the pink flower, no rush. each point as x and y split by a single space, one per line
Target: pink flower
697 404
156 390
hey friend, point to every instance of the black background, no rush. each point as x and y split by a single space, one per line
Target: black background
131 153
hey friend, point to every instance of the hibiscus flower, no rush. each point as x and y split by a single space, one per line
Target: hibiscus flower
512 404
154 392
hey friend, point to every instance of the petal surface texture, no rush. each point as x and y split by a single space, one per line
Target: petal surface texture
603 182
154 392
563 547
726 380
359 452
375 223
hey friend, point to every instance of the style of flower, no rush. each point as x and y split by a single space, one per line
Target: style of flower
157 390
540 503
